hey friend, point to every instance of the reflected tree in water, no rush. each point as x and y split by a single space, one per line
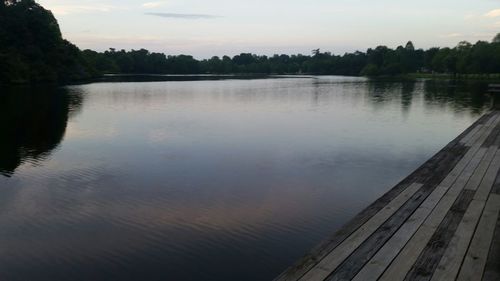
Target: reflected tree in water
33 123
458 94
407 92
381 91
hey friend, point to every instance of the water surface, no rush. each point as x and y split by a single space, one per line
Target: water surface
205 180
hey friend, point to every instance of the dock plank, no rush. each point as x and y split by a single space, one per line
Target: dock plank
481 130
484 131
476 179
339 254
484 119
377 265
475 259
496 186
471 134
430 256
489 178
492 267
351 266
403 263
450 262
457 171
493 138
468 172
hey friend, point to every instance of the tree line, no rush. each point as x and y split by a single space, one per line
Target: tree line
33 50
480 58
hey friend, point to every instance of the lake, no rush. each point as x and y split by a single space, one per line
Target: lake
205 179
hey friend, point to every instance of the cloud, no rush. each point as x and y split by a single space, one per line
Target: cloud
493 13
156 4
452 35
182 16
73 9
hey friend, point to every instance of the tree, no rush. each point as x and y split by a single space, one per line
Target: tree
33 48
370 70
409 46
315 52
496 39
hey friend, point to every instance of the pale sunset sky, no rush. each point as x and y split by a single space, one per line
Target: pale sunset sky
204 28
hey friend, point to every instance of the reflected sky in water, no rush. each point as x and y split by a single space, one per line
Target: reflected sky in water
205 180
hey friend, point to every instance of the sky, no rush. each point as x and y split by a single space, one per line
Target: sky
204 28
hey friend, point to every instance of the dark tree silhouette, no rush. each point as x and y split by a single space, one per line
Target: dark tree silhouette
32 48
496 39
33 123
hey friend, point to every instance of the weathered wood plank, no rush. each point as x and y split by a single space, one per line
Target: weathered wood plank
355 262
377 265
409 254
426 264
491 121
496 186
478 175
311 259
339 254
484 118
482 129
492 267
493 138
457 171
496 141
351 266
468 172
475 259
472 133
485 131
488 181
450 262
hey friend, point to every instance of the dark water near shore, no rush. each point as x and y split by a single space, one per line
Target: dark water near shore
205 180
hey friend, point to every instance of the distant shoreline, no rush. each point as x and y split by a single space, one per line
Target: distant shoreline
156 77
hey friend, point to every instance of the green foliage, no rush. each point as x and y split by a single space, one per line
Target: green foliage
32 48
496 39
465 58
370 70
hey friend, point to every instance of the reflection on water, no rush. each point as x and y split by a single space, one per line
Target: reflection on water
459 95
33 122
205 180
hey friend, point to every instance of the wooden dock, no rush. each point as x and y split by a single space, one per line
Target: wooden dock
440 223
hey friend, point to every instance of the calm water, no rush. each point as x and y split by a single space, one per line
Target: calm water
205 180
